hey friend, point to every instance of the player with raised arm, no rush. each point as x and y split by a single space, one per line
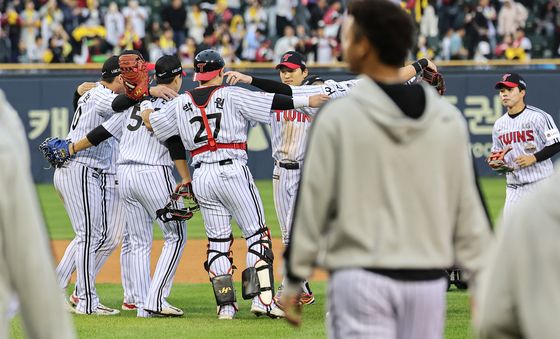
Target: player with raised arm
212 121
289 130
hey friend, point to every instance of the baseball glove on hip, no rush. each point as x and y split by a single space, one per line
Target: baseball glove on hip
134 73
435 79
496 160
56 151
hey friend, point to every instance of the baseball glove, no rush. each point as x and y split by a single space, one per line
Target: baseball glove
55 150
171 212
435 79
134 73
497 162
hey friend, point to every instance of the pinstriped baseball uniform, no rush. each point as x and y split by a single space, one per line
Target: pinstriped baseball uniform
289 139
146 182
222 182
528 132
80 183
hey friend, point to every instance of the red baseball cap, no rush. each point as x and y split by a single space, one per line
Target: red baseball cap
292 60
511 80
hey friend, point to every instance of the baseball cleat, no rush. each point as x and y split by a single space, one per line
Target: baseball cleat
226 312
306 299
274 313
100 310
168 311
128 307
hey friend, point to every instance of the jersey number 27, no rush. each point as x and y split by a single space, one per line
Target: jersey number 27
199 137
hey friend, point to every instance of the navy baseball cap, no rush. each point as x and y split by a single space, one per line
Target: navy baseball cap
292 60
111 68
168 66
511 80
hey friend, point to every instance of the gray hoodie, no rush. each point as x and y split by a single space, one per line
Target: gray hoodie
381 190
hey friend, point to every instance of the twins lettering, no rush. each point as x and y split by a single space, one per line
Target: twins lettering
516 136
292 115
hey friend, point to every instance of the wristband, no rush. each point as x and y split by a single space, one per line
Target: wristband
146 104
420 65
301 101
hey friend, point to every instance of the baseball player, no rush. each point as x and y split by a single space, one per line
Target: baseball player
25 257
383 230
519 294
113 229
212 121
146 183
80 183
529 136
289 129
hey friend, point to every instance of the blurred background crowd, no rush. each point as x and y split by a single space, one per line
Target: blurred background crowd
82 31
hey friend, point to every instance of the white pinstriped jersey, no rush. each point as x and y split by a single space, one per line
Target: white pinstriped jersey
137 144
528 133
289 127
230 111
94 108
114 155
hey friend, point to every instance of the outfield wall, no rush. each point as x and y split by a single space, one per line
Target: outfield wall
43 98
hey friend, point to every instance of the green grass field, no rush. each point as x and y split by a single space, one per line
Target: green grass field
198 301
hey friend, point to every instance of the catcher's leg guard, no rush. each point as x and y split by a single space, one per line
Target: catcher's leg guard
260 245
220 268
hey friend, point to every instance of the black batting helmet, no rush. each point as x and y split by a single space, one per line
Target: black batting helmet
207 64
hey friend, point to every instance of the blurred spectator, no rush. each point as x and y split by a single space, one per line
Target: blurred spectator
251 43
222 14
522 42
11 23
187 51
207 42
483 50
284 16
93 15
234 6
333 19
429 22
137 15
31 23
286 43
324 47
255 16
264 52
445 53
512 16
167 42
317 12
5 47
303 45
457 49
175 15
73 15
130 39
154 50
51 16
114 23
197 21
154 32
226 49
506 43
36 51
422 49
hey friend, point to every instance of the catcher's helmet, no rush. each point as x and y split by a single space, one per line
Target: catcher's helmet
207 64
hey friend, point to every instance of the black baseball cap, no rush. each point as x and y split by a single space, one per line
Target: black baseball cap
511 80
292 60
168 66
111 68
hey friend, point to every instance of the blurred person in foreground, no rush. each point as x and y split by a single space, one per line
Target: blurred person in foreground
519 295
367 210
26 264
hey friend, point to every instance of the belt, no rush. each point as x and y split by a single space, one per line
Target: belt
215 146
221 163
288 165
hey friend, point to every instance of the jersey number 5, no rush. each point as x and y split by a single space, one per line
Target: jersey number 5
199 137
137 119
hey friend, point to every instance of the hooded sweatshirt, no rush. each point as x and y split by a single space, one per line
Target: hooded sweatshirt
380 190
